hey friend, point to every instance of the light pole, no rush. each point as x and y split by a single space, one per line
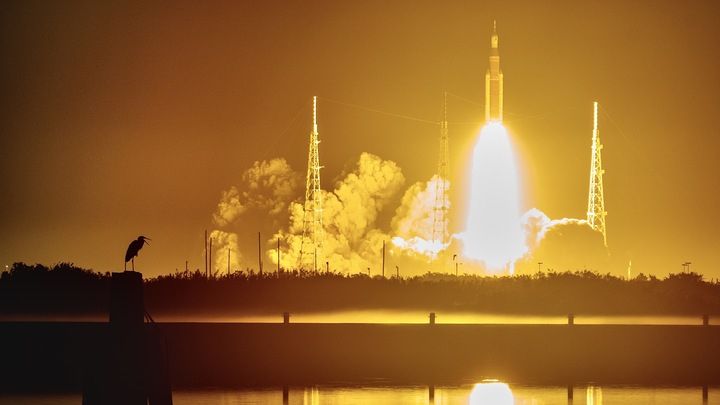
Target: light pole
456 264
686 267
383 260
539 264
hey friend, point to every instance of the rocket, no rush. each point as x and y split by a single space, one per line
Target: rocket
494 82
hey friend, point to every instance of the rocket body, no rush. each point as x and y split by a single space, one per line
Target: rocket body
494 82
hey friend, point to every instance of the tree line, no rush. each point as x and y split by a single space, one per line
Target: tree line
67 289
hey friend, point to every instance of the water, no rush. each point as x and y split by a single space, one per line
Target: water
399 317
452 317
486 393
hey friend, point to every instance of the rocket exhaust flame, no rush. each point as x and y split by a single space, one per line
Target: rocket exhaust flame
494 233
491 392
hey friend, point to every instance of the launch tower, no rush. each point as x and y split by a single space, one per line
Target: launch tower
311 246
440 211
596 198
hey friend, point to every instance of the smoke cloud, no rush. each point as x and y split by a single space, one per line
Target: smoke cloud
265 189
536 225
222 243
561 244
229 208
267 186
412 224
353 236
352 240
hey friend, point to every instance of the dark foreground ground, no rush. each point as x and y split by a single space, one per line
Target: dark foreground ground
53 356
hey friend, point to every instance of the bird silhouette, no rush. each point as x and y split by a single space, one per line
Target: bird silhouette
133 250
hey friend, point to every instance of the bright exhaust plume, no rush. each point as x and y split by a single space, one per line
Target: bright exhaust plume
494 235
491 392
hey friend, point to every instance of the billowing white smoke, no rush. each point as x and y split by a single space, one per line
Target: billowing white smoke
536 225
271 184
229 208
352 241
353 238
562 244
266 189
414 219
222 244
267 186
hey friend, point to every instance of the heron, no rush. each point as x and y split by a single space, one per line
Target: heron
134 248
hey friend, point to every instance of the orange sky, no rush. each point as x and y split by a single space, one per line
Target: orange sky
128 119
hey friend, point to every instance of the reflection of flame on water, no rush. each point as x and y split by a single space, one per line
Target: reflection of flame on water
311 396
491 392
593 396
493 234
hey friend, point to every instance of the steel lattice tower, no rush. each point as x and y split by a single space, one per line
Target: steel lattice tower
596 198
440 211
312 240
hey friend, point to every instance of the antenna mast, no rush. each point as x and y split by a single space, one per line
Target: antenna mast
596 198
311 245
440 211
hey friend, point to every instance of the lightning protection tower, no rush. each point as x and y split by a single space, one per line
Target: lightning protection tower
440 211
312 238
596 198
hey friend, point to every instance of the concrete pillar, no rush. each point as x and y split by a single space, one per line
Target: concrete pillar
571 319
570 392
286 317
132 367
127 303
431 394
432 318
126 363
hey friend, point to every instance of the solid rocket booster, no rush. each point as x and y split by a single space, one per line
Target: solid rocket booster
494 82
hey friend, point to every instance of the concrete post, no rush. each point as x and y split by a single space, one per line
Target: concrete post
132 369
432 318
127 304
286 317
127 339
571 319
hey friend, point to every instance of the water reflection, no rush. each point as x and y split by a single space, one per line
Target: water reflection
450 317
311 396
390 316
491 392
482 393
593 395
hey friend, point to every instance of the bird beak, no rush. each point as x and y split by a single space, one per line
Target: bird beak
146 241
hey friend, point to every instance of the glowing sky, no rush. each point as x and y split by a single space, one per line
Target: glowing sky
129 119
